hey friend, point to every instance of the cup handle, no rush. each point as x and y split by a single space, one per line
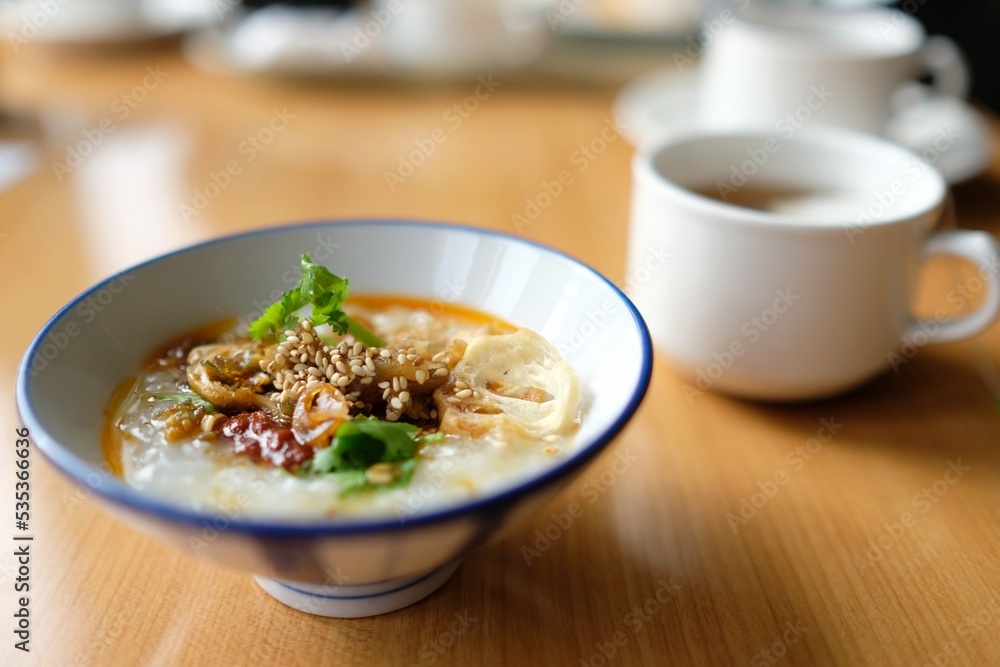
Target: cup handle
943 60
981 249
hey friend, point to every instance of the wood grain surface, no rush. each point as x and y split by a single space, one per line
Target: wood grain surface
872 521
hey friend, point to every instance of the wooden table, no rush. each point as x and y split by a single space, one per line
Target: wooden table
845 562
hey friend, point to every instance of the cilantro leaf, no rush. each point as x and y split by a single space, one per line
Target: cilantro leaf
187 397
325 292
351 481
363 442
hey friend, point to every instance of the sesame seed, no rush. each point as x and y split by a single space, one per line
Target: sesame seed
438 357
395 383
434 414
315 372
383 385
440 372
307 337
280 359
461 385
421 376
342 367
369 363
465 393
293 339
404 396
401 359
383 473
386 394
411 357
283 350
366 380
299 368
358 348
343 381
385 354
396 403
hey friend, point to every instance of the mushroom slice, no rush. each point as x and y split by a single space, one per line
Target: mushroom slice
228 376
319 412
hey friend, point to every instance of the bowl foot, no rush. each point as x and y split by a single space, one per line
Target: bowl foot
357 601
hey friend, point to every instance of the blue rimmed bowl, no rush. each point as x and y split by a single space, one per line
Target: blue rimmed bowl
331 567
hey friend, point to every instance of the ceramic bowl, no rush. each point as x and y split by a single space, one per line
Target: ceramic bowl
331 567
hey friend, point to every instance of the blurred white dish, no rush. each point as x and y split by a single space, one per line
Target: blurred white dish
95 22
663 105
389 39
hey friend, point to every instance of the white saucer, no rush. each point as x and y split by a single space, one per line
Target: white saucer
662 104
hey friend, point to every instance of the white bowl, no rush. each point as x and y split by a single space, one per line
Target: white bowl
331 567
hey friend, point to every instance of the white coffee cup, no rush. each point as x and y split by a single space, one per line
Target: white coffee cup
801 304
780 70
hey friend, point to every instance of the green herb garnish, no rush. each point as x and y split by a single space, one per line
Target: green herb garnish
325 292
187 397
365 441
